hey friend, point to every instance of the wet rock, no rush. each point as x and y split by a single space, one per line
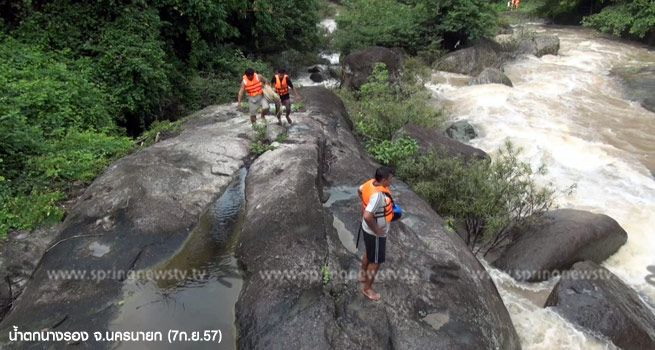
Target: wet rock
334 72
593 298
19 255
314 69
134 216
559 239
538 45
639 84
358 65
461 131
316 77
473 60
441 297
293 61
432 139
491 76
487 53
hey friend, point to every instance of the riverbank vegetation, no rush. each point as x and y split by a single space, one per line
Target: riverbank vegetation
80 80
630 19
417 26
483 199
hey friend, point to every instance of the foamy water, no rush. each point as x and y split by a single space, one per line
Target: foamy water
567 112
329 24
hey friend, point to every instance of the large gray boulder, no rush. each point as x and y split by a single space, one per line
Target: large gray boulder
639 84
302 217
430 139
316 77
134 216
19 256
538 45
357 66
593 298
461 131
487 53
146 213
491 76
557 240
473 60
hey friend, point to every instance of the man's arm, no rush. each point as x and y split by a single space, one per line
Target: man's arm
372 223
241 90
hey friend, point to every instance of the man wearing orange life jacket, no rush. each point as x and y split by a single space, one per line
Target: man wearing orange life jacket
253 84
282 84
378 212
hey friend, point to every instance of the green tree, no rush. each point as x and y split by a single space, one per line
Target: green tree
414 25
634 18
131 62
42 95
486 198
386 23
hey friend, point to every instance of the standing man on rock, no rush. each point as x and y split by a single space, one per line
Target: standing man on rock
282 84
253 84
378 212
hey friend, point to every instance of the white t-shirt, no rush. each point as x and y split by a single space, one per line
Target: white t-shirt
376 205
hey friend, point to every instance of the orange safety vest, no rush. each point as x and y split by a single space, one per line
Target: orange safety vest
253 87
368 189
281 85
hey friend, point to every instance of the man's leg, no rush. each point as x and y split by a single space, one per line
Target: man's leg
362 274
375 256
252 108
371 272
264 108
287 104
278 112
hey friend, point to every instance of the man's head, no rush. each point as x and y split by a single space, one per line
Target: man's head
383 175
281 71
250 73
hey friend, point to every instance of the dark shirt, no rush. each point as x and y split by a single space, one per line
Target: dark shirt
288 82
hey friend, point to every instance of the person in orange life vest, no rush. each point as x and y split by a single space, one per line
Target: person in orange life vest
377 215
282 83
516 4
253 84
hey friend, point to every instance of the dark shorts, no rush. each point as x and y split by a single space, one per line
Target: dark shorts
284 97
375 247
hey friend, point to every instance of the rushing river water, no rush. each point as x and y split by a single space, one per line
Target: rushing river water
329 25
569 112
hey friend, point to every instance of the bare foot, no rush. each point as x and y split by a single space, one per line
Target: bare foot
371 294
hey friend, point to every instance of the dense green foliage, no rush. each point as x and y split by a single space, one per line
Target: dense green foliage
485 198
624 18
382 108
634 18
76 77
414 25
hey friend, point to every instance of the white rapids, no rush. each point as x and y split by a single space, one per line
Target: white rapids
568 112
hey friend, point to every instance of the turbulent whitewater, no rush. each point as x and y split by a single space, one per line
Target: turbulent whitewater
570 113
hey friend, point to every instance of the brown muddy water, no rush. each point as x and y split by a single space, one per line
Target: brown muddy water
571 114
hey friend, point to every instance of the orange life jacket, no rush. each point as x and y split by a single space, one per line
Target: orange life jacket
253 87
281 86
368 189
